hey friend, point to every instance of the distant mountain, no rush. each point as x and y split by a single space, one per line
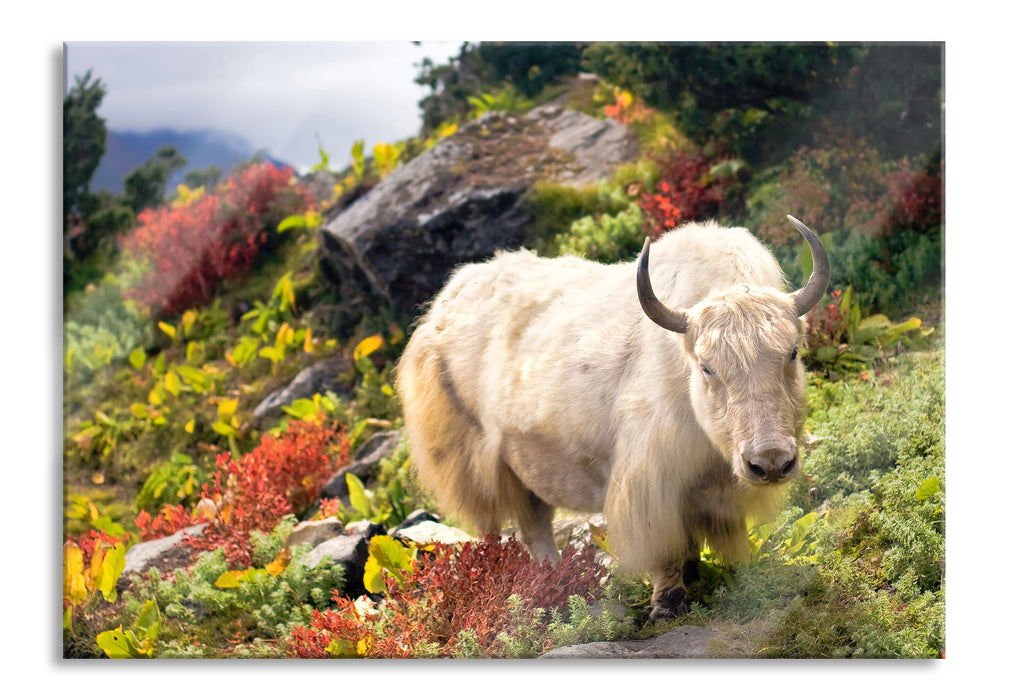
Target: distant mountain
125 151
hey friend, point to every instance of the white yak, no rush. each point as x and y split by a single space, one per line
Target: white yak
535 383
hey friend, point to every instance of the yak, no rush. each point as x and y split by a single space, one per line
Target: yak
533 384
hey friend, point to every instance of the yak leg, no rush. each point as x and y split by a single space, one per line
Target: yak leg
537 529
669 594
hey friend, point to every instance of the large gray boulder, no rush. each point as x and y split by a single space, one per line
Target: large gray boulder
462 200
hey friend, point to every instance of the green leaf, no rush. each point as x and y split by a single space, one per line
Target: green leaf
112 567
138 357
119 644
222 428
360 498
928 488
197 380
388 554
149 622
292 221
900 329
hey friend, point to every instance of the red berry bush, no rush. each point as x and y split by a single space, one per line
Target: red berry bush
191 246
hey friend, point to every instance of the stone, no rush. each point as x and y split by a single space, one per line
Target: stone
462 200
350 552
314 532
418 516
687 642
364 464
366 528
317 379
429 532
164 554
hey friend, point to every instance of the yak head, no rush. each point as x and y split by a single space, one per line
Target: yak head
747 384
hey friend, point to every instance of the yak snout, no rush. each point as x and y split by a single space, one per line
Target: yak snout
768 463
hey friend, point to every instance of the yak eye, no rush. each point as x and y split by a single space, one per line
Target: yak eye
795 353
707 371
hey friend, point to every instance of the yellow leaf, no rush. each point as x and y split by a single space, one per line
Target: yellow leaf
599 537
367 346
169 330
227 408
190 425
188 319
231 579
277 566
172 383
308 340
74 590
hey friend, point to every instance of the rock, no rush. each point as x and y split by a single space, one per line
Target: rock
364 464
418 516
461 200
687 642
429 532
317 379
349 551
163 554
314 532
366 528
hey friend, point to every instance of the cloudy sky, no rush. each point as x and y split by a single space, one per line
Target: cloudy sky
279 96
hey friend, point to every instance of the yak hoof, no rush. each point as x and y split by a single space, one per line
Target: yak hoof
668 604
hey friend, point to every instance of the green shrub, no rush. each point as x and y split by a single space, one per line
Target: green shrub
200 619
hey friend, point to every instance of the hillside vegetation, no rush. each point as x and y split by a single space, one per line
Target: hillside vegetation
184 310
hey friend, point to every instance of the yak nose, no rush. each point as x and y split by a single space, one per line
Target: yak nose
771 463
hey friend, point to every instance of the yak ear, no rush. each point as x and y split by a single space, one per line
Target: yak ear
806 298
670 319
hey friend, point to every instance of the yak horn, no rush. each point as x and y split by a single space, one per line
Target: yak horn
806 298
675 321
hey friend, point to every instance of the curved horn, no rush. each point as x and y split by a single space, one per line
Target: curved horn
675 321
806 298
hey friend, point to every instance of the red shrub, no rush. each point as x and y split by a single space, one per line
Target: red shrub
192 246
166 523
917 201
282 475
686 191
454 590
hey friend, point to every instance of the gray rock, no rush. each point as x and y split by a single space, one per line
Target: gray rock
364 464
461 200
687 642
418 516
365 528
314 532
349 551
317 379
163 554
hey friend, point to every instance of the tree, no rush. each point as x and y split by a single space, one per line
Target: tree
145 187
84 135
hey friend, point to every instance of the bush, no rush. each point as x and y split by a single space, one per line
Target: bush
201 619
455 600
282 475
194 244
690 188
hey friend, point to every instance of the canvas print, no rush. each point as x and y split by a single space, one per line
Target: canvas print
502 350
